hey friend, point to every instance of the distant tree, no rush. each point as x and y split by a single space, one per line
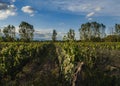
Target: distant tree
117 31
92 31
111 31
111 38
1 35
9 33
102 30
26 31
65 38
71 34
84 32
54 35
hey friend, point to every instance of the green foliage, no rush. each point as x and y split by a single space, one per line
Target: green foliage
39 63
66 59
70 36
92 30
117 29
54 35
112 38
26 31
9 33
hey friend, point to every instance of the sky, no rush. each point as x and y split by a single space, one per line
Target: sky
61 15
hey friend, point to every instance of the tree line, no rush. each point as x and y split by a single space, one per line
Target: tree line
95 32
90 31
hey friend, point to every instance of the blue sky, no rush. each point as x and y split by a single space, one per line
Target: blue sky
61 15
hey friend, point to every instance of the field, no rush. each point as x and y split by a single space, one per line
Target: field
60 64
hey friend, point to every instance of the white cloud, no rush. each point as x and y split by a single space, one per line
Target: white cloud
98 9
90 19
83 7
13 0
28 9
46 34
48 30
6 10
32 15
43 34
90 14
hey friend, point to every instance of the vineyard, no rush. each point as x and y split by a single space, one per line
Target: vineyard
60 64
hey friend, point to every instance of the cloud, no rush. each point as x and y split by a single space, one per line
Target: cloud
83 7
7 10
46 34
90 19
13 0
3 6
43 34
98 9
29 10
32 15
8 1
90 14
